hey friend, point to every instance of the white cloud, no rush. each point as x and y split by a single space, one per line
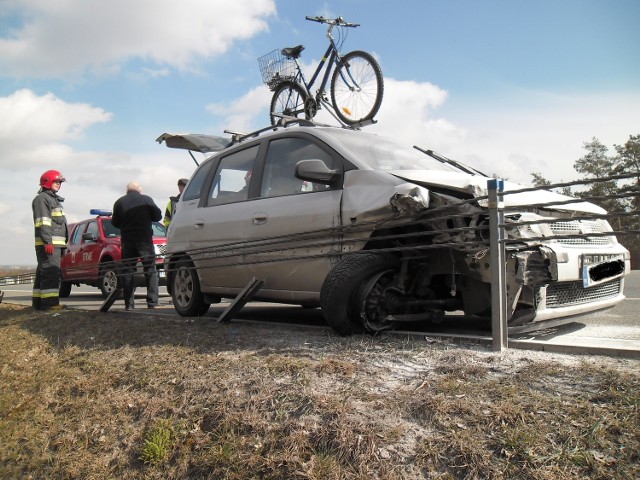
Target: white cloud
539 132
33 128
65 37
241 114
408 113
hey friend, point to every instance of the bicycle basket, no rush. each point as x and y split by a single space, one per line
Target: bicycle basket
275 69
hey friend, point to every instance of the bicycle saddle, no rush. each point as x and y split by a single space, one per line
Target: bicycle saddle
293 52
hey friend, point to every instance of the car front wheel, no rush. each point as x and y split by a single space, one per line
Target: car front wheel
185 290
108 280
354 295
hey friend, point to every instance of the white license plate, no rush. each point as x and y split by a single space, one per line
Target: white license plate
161 273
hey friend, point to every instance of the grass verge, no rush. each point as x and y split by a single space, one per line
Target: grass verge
140 396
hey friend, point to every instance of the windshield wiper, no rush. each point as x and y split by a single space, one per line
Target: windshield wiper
458 165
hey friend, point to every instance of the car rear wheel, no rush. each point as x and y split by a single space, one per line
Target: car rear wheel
353 296
65 289
185 290
108 279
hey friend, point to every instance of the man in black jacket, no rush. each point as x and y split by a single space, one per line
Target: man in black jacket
134 214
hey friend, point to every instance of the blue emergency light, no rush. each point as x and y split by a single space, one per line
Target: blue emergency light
100 212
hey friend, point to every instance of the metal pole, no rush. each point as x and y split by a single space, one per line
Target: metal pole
498 273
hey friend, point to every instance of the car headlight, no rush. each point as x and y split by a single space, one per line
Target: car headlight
531 230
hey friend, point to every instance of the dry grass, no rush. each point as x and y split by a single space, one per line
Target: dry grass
98 396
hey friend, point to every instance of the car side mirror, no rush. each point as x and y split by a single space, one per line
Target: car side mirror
315 171
89 236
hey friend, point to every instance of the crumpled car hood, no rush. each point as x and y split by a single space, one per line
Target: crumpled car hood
476 186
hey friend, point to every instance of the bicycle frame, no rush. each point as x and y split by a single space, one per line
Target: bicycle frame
329 55
332 55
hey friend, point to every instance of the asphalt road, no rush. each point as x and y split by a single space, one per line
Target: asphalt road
616 329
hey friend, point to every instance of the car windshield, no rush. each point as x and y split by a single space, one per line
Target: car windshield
110 231
382 153
159 230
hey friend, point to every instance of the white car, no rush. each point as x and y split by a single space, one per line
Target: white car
376 233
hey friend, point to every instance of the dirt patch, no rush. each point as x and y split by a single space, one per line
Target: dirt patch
116 395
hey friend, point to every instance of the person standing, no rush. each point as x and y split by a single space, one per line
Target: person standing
51 235
173 201
134 214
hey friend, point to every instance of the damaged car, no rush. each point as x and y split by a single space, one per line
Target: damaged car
377 234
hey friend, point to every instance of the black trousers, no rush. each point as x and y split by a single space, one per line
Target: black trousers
131 252
46 287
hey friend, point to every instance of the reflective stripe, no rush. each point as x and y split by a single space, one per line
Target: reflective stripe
57 212
49 293
57 241
42 221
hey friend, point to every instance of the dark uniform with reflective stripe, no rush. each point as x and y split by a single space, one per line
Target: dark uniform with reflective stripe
50 228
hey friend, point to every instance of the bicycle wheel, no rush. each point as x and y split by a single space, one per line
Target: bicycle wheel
288 99
357 87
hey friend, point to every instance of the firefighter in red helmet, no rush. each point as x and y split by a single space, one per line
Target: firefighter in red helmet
51 234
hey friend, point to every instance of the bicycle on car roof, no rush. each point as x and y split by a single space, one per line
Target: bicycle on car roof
356 86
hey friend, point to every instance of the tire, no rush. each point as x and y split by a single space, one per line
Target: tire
185 290
288 99
65 289
347 287
108 279
351 104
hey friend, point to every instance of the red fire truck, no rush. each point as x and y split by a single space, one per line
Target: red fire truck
93 254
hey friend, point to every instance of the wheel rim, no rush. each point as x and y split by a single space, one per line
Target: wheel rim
357 88
288 100
109 281
183 287
372 301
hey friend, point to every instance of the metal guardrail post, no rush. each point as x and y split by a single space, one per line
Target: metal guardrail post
498 273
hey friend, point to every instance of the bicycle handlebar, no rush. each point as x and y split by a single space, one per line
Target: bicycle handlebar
333 21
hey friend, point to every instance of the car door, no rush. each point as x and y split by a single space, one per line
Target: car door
69 264
290 228
218 223
87 257
295 225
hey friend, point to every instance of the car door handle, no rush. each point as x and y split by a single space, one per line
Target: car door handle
198 225
259 218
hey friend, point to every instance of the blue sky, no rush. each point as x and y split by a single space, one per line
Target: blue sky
510 86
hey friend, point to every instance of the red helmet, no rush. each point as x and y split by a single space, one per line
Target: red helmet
50 176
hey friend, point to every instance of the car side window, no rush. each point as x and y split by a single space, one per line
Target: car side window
279 170
231 182
77 234
93 228
195 184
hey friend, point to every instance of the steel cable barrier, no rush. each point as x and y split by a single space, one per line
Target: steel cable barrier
516 241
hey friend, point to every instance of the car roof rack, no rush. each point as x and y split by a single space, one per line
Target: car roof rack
284 122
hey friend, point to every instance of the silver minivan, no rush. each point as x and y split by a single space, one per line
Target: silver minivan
375 232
